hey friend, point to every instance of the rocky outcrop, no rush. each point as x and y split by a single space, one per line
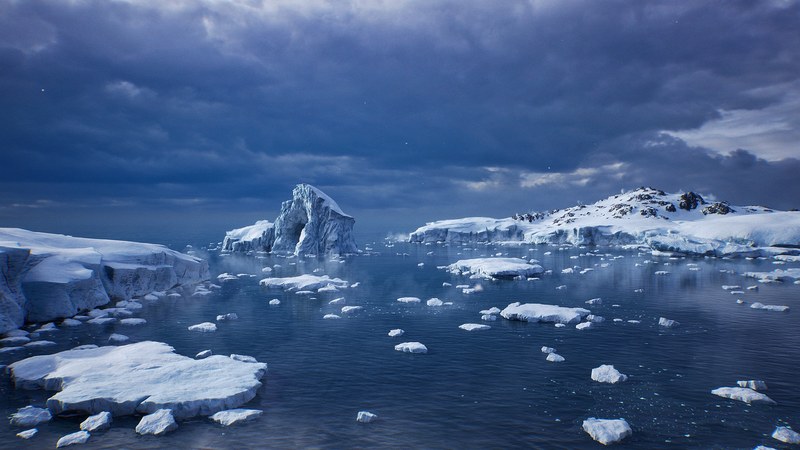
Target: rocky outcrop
690 200
51 276
311 223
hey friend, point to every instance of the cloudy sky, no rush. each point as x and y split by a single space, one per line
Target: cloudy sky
203 114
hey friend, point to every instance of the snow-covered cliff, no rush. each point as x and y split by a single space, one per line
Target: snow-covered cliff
682 222
311 223
51 276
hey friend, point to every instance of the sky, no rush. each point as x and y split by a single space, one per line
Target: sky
132 118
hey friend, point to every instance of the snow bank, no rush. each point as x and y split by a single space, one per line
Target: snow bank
139 378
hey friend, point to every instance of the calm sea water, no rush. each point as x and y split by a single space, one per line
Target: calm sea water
482 389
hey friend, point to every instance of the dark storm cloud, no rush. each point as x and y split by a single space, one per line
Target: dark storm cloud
390 105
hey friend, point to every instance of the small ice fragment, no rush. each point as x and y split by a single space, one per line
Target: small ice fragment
668 323
274 302
233 416
546 349
446 284
27 434
30 416
787 435
79 437
331 316
205 327
365 417
396 332
71 323
492 310
606 373
594 301
117 338
158 423
411 347
37 344
777 308
203 354
97 422
408 300
560 325
473 327
555 357
741 394
229 316
607 431
349 309
434 302
584 325
488 317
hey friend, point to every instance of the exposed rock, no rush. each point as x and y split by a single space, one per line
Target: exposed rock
721 208
690 200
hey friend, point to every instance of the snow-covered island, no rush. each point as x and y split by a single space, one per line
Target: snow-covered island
679 222
51 276
311 223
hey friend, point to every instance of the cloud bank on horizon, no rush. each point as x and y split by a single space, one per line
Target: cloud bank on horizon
443 108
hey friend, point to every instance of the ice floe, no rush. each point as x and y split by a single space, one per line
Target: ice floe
157 423
79 437
97 422
434 302
777 308
30 416
331 316
276 302
756 385
205 327
396 332
27 434
350 309
228 316
538 312
495 267
606 373
607 431
555 357
365 417
411 347
473 327
667 323
133 321
304 282
787 435
546 349
233 416
140 377
741 394
409 300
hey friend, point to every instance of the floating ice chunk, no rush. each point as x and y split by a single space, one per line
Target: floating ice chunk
233 416
328 288
27 434
303 282
421 265
115 338
492 310
205 327
668 323
30 416
411 347
764 447
159 422
203 354
546 349
102 320
365 417
661 272
243 358
561 287
356 284
151 298
46 327
79 437
495 267
37 344
396 332
594 301
638 291
633 321
434 302
787 435
446 284
266 270
488 317
97 422
349 309
133 321
584 325
740 301
607 431
752 288
15 340
756 385
331 316
409 300
304 293
472 290
746 395
568 270
227 277
538 312
777 308
274 302
560 325
555 357
606 373
731 287
14 333
595 318
229 316
71 323
473 327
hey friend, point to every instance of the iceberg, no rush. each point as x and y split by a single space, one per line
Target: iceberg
311 223
139 378
233 416
607 431
741 394
538 312
606 373
495 267
51 276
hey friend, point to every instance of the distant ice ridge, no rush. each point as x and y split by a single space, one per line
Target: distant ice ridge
311 223
683 223
46 276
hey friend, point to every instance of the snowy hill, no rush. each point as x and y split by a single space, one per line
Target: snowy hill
49 276
310 223
682 222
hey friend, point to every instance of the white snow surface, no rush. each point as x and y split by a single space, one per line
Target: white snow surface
304 282
233 416
139 378
310 223
607 431
79 437
157 423
495 267
538 312
606 373
644 216
742 394
52 276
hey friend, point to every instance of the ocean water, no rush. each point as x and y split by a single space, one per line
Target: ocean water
480 389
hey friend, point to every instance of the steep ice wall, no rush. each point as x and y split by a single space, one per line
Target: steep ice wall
52 276
310 223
